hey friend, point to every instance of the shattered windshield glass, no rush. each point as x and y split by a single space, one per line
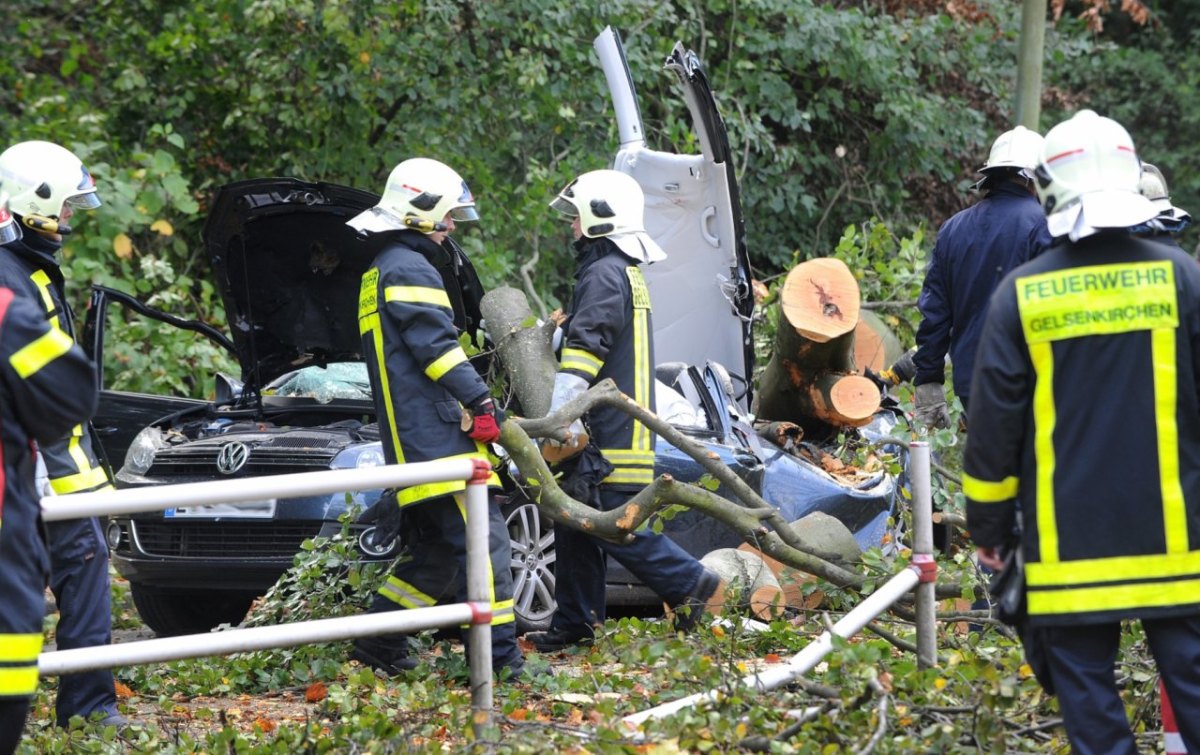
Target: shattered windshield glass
340 380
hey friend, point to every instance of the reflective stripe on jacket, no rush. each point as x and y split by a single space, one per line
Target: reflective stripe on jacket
419 373
1085 414
29 268
46 386
609 334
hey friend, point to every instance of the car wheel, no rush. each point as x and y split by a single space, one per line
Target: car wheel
532 566
171 613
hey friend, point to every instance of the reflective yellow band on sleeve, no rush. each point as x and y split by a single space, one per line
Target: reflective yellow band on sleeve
40 352
417 295
17 648
18 681
418 493
581 361
76 483
445 363
982 491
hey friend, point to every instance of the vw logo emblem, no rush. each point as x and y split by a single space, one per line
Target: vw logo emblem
232 457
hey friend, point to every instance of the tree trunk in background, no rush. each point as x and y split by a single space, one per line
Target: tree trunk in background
812 373
876 346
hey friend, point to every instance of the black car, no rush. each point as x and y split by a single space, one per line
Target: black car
288 270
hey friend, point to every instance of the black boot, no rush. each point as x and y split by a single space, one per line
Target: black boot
689 610
387 653
558 639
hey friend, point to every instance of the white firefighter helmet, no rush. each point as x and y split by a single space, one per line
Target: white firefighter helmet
610 204
40 177
1018 148
1088 177
1153 186
420 193
9 230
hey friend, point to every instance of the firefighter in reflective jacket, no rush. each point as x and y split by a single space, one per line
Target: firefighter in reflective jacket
46 386
1085 419
46 184
608 334
422 381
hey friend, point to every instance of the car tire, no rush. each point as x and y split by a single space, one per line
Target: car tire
174 612
532 537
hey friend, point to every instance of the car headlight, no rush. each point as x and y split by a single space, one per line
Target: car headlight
359 457
140 456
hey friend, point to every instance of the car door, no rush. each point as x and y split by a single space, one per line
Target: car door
701 293
121 415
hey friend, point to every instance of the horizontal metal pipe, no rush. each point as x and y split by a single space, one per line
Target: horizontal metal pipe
163 649
160 497
804 661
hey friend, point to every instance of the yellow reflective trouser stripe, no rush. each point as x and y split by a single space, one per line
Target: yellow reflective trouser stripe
1175 518
40 352
399 591
581 361
417 295
619 456
502 610
642 380
983 491
450 487
15 648
370 324
445 363
18 681
86 480
1114 597
1093 571
1044 419
42 281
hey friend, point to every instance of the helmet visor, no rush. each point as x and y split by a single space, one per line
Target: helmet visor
9 230
565 206
88 201
465 212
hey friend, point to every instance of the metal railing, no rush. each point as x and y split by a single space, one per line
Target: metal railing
921 573
476 612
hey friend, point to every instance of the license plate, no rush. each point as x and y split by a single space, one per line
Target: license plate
244 510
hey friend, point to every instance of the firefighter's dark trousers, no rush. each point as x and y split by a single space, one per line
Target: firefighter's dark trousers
24 566
579 569
1081 660
433 569
80 582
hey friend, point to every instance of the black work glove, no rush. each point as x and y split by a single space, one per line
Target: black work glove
902 370
387 519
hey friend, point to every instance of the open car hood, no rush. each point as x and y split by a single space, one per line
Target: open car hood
702 295
288 269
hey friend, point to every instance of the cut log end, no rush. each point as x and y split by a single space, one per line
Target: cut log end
855 398
820 299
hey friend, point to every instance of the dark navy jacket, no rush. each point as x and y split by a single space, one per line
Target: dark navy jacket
420 375
609 334
975 249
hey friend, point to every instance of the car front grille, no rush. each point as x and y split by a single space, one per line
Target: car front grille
224 540
201 460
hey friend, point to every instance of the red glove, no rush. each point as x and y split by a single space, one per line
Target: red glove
485 425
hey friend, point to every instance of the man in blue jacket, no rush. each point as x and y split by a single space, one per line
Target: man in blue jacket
975 249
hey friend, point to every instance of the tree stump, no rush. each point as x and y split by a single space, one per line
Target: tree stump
812 375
